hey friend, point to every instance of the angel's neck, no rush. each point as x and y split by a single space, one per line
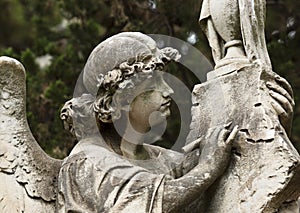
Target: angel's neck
132 144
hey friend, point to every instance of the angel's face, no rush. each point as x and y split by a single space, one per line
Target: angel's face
152 104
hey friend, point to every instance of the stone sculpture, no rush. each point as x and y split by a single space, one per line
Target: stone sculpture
109 171
28 176
235 31
264 172
95 177
105 172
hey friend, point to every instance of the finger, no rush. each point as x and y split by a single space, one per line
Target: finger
221 137
285 84
215 132
193 145
224 134
227 125
232 135
281 91
278 108
283 101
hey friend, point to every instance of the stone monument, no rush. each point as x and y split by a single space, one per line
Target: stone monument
264 171
238 157
105 172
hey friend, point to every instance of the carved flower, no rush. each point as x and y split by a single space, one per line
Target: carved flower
113 76
171 54
110 79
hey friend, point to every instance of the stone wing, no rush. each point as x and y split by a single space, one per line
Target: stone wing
28 175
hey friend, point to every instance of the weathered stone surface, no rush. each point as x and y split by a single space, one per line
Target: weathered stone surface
27 174
264 171
124 174
243 105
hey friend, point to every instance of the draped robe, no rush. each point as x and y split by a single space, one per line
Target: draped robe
95 179
252 24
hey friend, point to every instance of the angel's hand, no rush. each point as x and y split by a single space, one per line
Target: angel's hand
283 101
217 150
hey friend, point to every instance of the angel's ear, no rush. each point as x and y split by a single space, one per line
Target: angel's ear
121 103
66 115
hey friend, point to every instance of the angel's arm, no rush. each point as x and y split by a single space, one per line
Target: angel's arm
213 161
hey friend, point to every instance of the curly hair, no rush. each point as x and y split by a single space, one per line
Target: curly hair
78 117
125 76
118 63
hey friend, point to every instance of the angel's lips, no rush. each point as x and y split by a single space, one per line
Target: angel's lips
165 108
166 104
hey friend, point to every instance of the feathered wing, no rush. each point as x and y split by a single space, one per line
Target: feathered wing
27 174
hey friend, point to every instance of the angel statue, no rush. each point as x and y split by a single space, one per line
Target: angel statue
109 170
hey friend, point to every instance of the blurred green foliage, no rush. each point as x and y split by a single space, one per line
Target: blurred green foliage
68 30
